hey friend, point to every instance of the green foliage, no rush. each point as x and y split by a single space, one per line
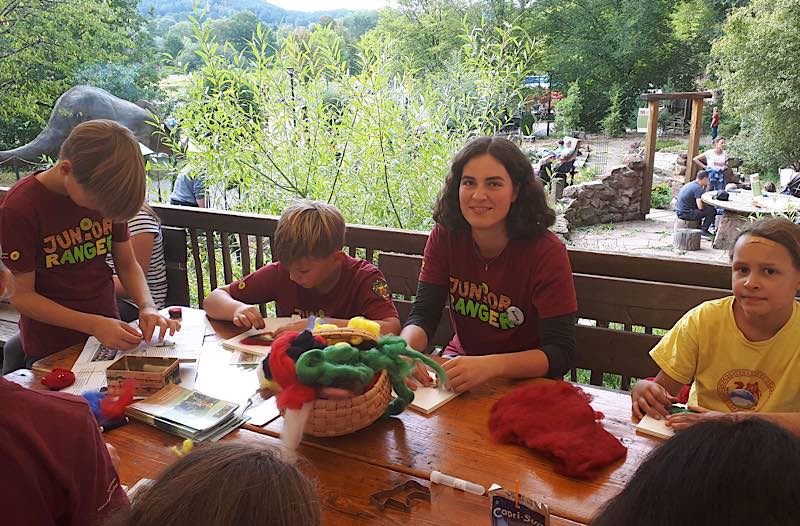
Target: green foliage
660 196
568 111
427 32
375 141
45 45
613 123
756 62
670 145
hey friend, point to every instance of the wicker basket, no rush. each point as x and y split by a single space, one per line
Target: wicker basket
344 334
330 418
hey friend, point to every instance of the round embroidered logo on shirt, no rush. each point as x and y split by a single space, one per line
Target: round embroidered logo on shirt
381 289
14 255
241 285
516 315
745 389
86 223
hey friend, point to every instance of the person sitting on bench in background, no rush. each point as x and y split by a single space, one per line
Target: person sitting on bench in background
690 206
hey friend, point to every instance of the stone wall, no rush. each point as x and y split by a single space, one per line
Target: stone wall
613 198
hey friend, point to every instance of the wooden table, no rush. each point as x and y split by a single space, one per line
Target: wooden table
740 205
455 440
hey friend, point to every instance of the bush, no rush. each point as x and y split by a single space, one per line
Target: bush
613 125
661 196
568 110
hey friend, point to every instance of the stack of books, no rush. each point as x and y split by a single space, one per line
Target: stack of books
187 413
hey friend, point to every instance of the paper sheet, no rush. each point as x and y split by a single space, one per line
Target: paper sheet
87 381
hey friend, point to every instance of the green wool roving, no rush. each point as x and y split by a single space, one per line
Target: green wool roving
342 363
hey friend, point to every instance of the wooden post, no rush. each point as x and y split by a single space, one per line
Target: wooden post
557 188
649 156
694 139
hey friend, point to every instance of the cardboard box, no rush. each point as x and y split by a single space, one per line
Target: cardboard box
151 374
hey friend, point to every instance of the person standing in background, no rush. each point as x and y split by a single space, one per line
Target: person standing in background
714 123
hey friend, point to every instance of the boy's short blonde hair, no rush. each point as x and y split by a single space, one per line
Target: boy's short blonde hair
108 164
308 229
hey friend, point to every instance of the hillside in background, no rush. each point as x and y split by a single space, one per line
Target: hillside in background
267 13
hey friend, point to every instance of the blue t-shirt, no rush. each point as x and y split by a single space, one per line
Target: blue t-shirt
188 189
687 198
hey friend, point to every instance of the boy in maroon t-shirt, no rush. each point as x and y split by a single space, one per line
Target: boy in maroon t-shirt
56 227
54 467
312 276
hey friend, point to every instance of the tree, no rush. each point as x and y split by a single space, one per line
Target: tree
569 109
756 63
237 29
428 32
45 44
613 122
601 42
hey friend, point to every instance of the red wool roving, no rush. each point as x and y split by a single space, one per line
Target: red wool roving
112 406
58 378
556 419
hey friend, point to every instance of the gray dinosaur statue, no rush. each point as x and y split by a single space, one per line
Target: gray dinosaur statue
85 103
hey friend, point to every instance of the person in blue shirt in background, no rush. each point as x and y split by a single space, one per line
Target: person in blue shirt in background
690 207
188 190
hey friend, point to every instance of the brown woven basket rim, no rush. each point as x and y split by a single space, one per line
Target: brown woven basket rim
344 332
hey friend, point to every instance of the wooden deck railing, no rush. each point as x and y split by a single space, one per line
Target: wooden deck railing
625 302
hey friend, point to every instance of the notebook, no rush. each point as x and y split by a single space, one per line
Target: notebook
187 413
657 428
429 399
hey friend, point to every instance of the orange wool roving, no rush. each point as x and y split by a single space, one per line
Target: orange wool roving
556 419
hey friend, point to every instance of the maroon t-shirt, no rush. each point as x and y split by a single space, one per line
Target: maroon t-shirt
531 277
54 467
65 244
360 291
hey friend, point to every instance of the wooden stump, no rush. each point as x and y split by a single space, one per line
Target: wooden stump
687 239
557 185
682 223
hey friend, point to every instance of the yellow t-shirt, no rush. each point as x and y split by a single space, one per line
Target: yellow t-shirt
730 372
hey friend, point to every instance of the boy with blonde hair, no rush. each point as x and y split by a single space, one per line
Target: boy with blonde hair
56 226
312 276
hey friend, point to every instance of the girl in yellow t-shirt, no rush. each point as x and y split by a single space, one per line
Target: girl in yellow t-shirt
741 353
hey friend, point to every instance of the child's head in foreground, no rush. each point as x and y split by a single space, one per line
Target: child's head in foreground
224 484
309 240
103 169
765 267
732 471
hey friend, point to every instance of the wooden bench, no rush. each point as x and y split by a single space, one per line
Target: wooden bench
619 318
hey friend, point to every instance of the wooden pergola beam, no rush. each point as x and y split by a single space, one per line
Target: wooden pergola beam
691 95
653 100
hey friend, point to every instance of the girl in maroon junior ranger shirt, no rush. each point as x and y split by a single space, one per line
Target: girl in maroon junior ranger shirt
505 276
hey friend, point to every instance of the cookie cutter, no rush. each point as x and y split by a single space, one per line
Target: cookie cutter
401 497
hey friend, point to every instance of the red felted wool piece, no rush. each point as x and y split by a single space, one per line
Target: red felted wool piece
282 367
555 418
58 378
113 405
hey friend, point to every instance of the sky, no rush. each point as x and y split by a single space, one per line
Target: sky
323 5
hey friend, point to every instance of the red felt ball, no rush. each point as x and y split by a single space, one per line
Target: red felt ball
555 418
58 378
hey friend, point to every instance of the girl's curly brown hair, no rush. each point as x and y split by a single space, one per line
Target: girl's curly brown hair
529 216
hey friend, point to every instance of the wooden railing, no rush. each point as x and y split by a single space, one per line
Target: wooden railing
625 302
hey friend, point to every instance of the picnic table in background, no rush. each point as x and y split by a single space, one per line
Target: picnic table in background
741 206
455 440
